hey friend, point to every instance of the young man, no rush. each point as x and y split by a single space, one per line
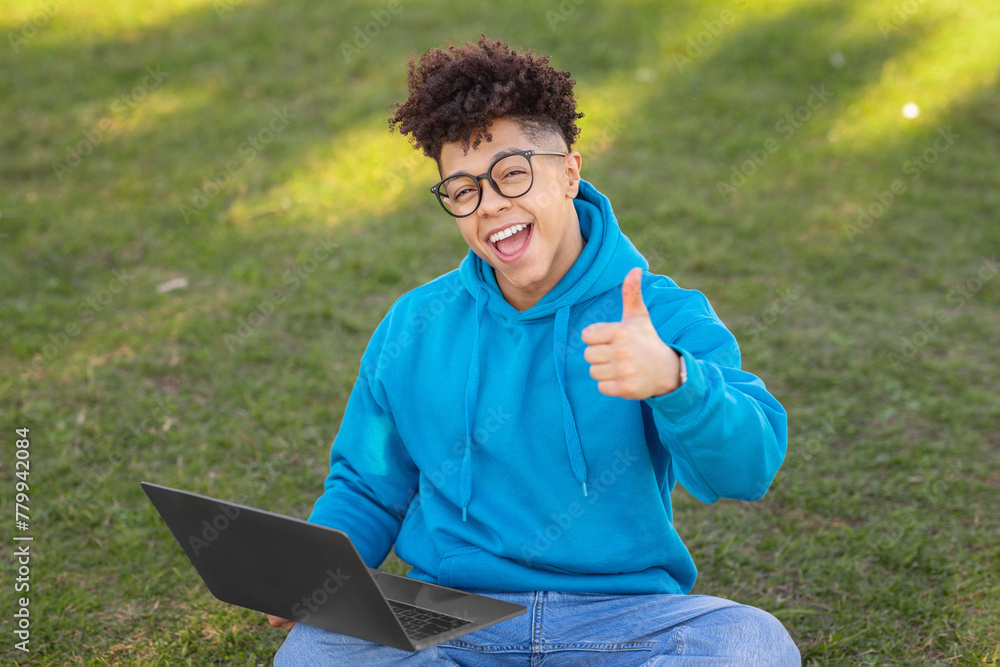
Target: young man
518 424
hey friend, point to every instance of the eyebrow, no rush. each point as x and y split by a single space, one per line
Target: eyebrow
493 158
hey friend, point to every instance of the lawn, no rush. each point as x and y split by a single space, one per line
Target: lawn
203 217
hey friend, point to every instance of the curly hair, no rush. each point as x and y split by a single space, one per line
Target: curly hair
455 94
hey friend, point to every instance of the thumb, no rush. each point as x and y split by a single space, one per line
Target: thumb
632 303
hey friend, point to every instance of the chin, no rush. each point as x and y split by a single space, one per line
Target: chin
523 278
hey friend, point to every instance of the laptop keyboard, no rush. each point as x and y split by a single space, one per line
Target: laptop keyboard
420 623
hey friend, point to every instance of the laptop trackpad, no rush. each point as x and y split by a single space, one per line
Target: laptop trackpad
420 594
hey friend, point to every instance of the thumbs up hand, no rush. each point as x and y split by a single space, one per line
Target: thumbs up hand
628 359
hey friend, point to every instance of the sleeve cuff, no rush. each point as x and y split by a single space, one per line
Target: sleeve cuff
682 403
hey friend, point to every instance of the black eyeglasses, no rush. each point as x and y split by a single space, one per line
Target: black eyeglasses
510 175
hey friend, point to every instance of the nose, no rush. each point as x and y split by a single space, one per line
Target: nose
492 202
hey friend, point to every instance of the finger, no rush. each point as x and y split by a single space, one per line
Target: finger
611 388
603 372
600 333
598 354
620 388
622 368
632 303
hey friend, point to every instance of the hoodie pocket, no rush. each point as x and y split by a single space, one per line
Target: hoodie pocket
455 562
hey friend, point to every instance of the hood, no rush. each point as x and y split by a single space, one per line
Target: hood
607 257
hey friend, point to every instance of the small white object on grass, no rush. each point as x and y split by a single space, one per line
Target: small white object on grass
837 59
171 285
910 110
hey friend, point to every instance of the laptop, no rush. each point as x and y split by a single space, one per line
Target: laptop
313 574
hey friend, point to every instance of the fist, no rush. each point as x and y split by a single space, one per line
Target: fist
628 359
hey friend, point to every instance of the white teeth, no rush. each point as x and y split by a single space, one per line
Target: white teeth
504 233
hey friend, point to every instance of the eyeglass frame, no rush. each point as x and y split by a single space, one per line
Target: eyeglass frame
436 188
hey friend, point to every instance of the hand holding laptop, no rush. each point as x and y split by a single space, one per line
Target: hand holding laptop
279 622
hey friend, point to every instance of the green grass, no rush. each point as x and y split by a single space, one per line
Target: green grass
878 542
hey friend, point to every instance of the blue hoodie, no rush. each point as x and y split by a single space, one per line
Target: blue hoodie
477 442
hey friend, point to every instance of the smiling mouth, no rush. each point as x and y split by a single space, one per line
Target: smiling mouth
510 243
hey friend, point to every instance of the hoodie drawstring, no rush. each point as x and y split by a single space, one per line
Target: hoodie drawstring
471 399
560 344
573 448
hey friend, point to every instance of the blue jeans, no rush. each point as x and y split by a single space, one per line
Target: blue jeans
578 629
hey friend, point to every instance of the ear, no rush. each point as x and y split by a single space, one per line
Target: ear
572 170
